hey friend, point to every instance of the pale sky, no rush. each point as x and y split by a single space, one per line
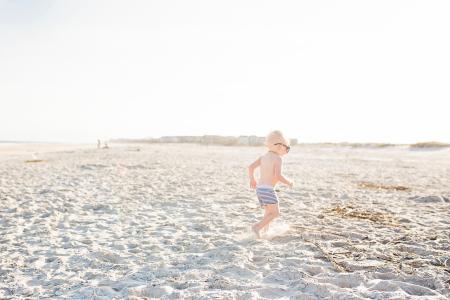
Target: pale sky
358 71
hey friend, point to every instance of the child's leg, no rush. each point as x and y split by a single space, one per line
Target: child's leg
276 214
255 227
272 212
266 227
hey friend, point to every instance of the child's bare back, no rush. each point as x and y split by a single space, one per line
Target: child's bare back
270 169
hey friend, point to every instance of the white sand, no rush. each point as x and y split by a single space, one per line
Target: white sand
173 221
32 150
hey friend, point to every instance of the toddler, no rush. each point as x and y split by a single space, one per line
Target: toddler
270 165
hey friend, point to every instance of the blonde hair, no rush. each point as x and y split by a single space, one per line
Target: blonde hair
276 137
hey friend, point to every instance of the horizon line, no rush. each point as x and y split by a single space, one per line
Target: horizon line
82 141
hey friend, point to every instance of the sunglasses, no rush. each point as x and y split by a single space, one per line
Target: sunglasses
286 146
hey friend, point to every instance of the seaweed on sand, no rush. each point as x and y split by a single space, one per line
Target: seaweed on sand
376 186
350 212
34 160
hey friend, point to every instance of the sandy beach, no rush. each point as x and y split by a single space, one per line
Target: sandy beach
172 221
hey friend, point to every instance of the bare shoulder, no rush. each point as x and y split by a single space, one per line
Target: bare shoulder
273 158
266 156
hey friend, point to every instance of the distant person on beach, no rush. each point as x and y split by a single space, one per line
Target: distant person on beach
270 165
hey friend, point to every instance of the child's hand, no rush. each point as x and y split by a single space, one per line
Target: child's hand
253 183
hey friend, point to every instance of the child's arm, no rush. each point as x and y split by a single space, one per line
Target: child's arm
251 170
280 177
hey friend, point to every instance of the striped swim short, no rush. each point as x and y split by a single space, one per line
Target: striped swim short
266 195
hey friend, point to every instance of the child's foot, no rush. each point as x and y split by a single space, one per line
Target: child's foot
256 231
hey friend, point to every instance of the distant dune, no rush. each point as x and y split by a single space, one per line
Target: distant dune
429 145
242 140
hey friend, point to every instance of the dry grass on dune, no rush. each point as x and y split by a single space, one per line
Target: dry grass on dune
426 145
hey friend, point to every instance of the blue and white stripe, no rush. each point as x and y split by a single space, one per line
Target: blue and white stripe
266 195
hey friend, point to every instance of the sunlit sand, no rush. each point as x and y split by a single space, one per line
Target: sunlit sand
173 222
